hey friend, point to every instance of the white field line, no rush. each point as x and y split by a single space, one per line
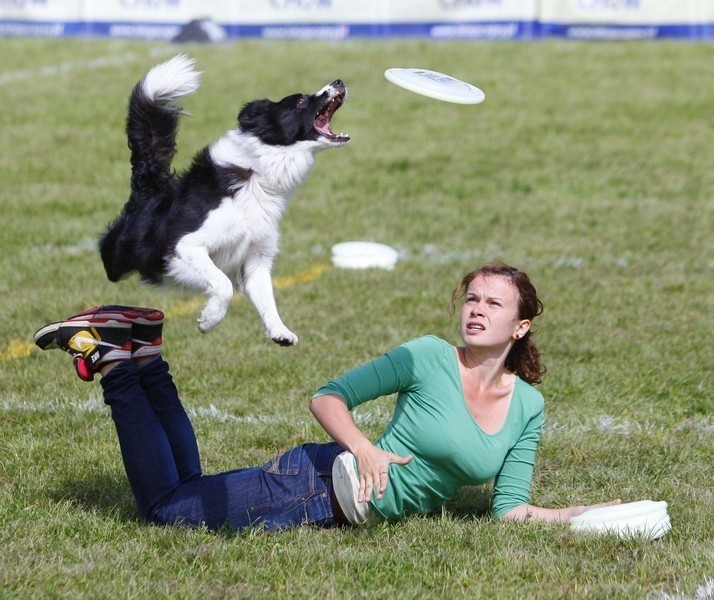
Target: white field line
101 62
95 404
703 592
433 254
706 591
430 254
603 424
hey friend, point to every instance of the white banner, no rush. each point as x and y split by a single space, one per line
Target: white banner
149 11
294 12
382 11
42 10
625 12
340 19
271 12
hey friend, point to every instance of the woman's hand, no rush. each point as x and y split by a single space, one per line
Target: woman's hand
373 467
574 511
372 463
528 512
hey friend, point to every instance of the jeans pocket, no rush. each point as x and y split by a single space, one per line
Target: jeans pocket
287 463
298 490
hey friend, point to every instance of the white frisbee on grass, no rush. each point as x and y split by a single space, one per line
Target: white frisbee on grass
644 518
435 85
364 255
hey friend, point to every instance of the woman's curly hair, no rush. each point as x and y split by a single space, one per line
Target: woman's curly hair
524 357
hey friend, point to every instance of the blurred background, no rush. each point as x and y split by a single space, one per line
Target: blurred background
215 20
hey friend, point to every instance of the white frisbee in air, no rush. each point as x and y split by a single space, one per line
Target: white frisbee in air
364 255
644 518
435 85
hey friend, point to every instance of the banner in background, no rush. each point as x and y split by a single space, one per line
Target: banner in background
39 18
455 19
341 19
625 19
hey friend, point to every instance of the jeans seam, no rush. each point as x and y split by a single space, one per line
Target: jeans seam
300 497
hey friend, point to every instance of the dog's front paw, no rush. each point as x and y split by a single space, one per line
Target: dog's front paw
205 325
284 337
210 317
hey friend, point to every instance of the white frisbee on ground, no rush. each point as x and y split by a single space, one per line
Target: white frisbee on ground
644 518
364 255
435 85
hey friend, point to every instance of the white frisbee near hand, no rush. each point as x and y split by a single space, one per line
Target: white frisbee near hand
644 518
435 85
364 255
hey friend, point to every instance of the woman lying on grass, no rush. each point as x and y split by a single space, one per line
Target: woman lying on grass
464 416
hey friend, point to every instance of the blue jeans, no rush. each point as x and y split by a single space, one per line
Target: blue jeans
161 459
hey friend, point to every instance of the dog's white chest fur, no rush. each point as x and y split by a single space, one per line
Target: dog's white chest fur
278 170
240 238
248 221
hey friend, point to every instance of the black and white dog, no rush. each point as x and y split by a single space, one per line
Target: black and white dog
215 226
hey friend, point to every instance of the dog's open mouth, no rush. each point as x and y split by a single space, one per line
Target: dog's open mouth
324 117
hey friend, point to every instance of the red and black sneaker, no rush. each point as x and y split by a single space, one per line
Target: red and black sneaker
146 327
104 334
91 339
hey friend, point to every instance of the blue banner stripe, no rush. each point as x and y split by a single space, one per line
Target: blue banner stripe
481 30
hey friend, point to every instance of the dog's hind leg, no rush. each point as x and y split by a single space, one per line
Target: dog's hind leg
192 267
257 284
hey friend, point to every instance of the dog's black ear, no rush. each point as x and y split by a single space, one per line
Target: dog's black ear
252 115
263 119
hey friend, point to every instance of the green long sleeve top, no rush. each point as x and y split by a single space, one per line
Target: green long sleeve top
431 421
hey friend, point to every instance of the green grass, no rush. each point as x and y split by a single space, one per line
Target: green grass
589 165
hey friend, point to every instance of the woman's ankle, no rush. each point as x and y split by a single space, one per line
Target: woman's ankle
109 366
144 360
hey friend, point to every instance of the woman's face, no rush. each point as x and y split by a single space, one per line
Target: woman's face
489 316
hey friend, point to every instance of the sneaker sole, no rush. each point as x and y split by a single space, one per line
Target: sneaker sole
46 339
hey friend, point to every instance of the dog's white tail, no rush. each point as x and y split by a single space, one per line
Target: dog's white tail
171 80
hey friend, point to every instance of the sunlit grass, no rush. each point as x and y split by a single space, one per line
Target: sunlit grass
588 165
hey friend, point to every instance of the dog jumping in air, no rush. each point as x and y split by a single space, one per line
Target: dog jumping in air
215 227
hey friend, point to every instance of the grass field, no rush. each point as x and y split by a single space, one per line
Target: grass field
588 165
